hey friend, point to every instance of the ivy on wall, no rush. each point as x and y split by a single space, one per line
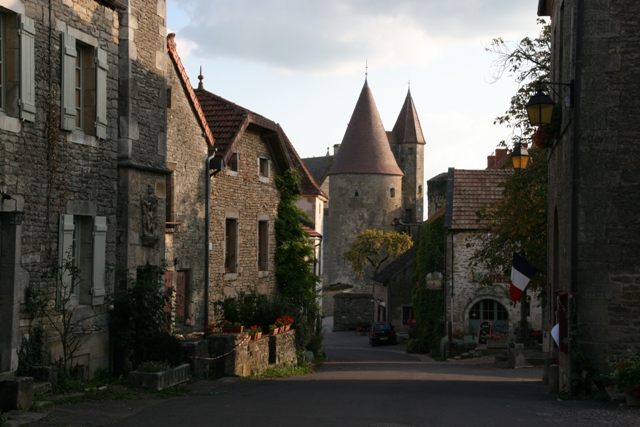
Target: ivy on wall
428 305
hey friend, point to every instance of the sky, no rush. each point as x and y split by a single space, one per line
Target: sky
302 64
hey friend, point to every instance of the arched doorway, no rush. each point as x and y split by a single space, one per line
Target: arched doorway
491 310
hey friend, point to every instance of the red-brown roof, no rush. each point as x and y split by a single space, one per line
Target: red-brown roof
407 127
472 191
365 147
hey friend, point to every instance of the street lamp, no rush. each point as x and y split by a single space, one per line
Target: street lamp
520 156
540 106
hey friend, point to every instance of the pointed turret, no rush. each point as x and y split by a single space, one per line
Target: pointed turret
407 127
365 147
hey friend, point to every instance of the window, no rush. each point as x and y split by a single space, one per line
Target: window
84 87
263 245
170 216
233 163
408 216
82 259
263 166
17 66
231 246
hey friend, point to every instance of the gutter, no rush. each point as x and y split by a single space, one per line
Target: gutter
207 217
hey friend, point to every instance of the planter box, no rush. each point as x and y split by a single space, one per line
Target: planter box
500 343
160 380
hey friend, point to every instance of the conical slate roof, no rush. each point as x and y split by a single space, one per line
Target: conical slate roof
365 147
407 127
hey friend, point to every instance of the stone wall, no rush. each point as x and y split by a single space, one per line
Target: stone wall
222 354
594 178
350 308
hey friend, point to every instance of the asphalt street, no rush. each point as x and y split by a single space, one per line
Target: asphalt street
363 386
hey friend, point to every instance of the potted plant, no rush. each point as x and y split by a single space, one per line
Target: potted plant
255 332
273 329
496 340
209 329
287 321
625 375
232 327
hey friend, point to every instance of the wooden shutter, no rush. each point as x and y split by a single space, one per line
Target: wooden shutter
69 53
99 259
102 66
27 69
65 248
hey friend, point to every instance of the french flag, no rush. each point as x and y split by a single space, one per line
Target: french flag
521 274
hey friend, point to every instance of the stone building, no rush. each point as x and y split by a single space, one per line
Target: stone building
82 133
468 301
375 181
224 161
594 179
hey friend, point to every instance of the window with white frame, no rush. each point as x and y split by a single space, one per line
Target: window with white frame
84 87
17 65
82 259
263 245
231 246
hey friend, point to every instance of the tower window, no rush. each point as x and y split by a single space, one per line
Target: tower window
392 192
356 194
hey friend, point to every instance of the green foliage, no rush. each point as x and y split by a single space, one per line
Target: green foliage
374 247
153 366
428 305
517 223
284 372
139 323
32 353
625 372
528 61
294 256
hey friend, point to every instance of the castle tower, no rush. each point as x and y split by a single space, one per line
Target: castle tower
365 189
409 152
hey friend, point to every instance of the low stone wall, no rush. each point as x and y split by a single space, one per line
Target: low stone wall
160 380
222 354
350 308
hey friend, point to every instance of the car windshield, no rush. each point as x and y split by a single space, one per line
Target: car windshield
381 327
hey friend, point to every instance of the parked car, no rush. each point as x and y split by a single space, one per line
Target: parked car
382 333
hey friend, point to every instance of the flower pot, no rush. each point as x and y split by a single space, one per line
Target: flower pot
499 343
286 327
632 399
274 331
233 329
256 336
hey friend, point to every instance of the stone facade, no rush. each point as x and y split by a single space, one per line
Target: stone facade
594 178
94 175
351 308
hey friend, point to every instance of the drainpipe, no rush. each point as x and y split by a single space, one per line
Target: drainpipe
207 215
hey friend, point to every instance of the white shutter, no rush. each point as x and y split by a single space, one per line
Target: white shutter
69 53
102 66
27 69
99 259
65 255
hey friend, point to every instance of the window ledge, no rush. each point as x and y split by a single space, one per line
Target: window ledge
10 124
79 137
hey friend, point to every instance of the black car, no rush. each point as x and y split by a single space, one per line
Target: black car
382 333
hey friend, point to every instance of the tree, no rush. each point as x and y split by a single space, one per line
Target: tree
528 61
518 222
374 247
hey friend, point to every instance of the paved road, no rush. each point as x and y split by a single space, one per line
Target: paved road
372 387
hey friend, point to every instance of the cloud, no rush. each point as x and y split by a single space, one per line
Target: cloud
337 36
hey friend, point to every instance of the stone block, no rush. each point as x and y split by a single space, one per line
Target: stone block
16 394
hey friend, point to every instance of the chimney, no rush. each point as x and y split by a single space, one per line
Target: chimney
491 161
336 147
500 154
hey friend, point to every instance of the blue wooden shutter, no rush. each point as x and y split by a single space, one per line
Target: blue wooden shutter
102 66
27 69
69 53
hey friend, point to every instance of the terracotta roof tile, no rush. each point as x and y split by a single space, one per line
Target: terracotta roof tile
472 190
365 147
